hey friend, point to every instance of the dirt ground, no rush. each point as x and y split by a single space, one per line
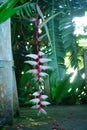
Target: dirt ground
58 117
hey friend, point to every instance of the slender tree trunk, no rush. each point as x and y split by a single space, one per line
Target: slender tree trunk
85 65
7 76
47 87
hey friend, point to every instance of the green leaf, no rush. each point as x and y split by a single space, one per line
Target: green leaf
47 20
7 9
45 26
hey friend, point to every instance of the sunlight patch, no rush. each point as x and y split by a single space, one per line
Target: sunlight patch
73 77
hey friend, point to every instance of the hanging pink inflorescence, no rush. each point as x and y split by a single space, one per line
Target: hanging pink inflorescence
38 61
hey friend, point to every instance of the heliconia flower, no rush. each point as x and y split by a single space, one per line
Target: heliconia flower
34 56
42 111
41 53
45 103
36 106
43 74
36 93
34 71
40 79
44 96
34 19
35 100
44 60
43 67
31 62
37 60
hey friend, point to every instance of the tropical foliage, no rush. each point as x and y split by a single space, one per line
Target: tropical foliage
56 40
7 9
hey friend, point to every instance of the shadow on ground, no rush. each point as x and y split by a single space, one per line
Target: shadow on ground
61 117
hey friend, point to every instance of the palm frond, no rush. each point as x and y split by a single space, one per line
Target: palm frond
7 9
58 52
46 28
27 11
69 43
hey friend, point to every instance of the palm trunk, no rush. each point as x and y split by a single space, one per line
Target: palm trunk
7 83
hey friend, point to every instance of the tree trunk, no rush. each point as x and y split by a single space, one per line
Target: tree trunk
85 65
7 79
47 87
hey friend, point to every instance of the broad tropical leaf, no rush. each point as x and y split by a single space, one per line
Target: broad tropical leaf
47 20
45 26
7 9
58 52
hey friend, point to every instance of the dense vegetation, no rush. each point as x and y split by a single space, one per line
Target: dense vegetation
59 43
